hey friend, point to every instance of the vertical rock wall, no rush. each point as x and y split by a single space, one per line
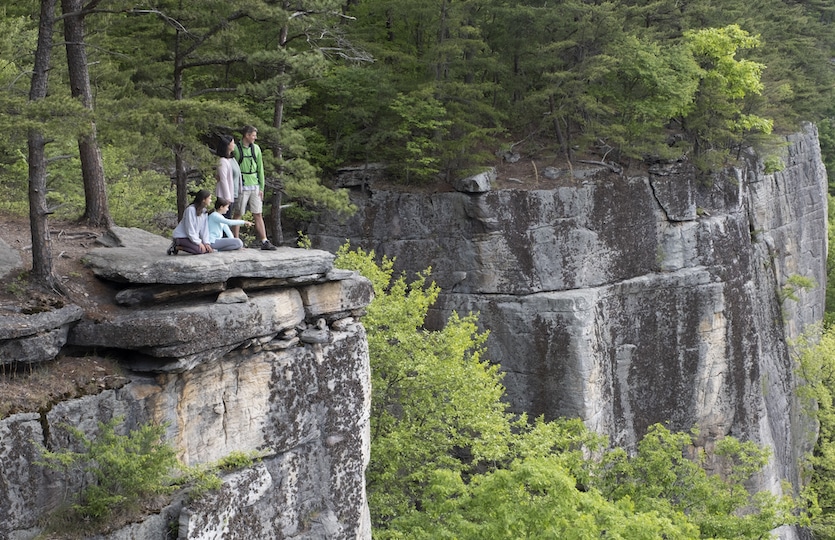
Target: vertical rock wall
627 301
277 368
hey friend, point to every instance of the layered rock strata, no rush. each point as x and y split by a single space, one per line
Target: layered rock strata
252 352
629 300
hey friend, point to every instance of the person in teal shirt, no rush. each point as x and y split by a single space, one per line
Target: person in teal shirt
219 224
248 155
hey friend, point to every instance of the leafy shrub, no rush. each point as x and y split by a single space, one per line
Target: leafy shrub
815 358
449 461
124 469
773 164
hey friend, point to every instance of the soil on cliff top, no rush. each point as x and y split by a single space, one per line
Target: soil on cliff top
30 388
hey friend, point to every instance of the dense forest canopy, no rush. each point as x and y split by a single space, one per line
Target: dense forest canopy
429 88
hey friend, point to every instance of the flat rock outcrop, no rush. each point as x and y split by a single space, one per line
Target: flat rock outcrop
261 353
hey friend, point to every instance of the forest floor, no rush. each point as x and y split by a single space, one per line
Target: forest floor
27 388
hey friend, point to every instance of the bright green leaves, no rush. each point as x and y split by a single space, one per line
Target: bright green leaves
433 397
669 471
816 368
645 86
538 498
717 120
124 468
448 461
418 134
715 49
436 404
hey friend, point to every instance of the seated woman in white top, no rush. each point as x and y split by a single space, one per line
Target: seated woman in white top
218 224
192 233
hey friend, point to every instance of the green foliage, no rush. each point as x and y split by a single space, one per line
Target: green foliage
816 368
434 398
773 164
124 469
351 102
430 88
135 196
829 312
826 134
718 121
238 460
201 480
796 283
668 474
448 461
534 497
17 285
304 241
645 86
417 136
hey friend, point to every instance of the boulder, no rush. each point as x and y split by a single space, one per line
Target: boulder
10 261
36 337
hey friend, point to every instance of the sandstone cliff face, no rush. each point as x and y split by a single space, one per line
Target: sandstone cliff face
275 363
627 301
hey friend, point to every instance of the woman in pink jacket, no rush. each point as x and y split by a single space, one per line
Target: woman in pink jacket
228 172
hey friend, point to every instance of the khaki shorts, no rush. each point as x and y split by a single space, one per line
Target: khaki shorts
249 198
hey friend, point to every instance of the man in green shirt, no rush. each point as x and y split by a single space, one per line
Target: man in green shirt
248 154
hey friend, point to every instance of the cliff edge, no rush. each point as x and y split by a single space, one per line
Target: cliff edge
248 352
627 300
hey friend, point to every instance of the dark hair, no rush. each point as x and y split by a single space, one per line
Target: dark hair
222 148
220 201
199 197
246 130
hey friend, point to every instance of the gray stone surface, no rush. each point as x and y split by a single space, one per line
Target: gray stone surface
22 325
185 329
37 337
210 348
10 261
305 410
479 183
630 300
621 300
140 258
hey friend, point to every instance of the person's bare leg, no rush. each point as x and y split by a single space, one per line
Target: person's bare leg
235 228
260 231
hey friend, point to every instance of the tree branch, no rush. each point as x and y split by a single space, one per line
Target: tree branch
213 62
211 91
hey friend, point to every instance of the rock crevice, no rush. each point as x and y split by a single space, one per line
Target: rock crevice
253 352
630 300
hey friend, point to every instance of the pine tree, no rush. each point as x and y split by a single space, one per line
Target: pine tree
96 210
38 212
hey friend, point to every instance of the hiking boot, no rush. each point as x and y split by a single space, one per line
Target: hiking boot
266 245
173 249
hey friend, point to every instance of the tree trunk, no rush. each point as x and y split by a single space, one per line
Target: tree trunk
180 173
181 180
557 130
96 212
41 242
274 224
277 186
